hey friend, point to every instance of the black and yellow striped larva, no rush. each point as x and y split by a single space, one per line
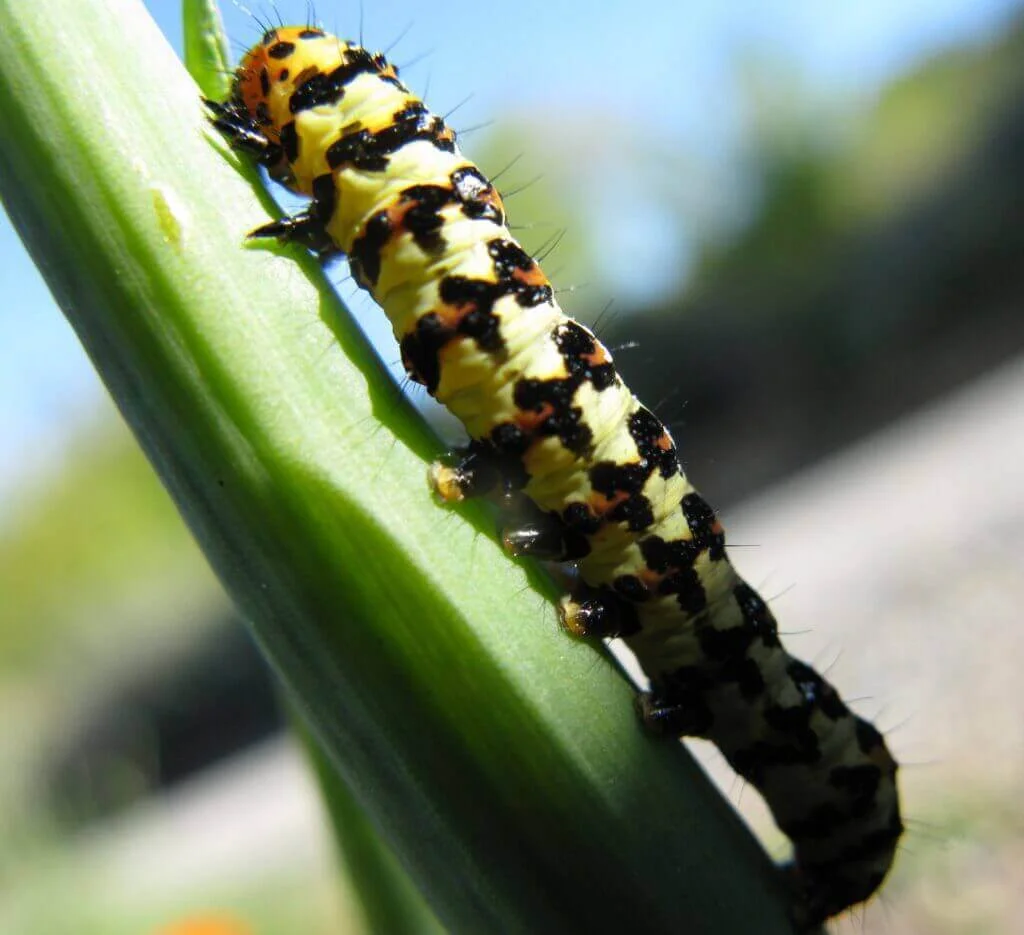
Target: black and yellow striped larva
549 417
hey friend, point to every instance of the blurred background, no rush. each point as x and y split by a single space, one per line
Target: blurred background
801 228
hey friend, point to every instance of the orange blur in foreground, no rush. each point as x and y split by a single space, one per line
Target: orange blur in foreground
208 925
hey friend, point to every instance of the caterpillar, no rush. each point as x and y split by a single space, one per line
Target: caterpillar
551 421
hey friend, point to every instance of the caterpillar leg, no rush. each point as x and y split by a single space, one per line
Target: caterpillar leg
471 472
689 717
244 135
538 538
477 471
305 228
589 613
309 227
543 536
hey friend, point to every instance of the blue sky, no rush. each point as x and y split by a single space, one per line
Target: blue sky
673 66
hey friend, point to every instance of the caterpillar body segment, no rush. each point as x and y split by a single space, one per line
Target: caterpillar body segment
550 419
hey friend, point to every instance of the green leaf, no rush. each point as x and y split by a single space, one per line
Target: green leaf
206 47
500 760
389 901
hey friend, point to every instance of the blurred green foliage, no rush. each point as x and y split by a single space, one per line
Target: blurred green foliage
815 186
878 269
76 548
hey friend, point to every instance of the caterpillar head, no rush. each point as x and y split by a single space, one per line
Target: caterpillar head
271 71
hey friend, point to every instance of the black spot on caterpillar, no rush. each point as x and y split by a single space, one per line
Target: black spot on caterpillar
549 417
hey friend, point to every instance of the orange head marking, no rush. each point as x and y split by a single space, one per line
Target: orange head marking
271 71
207 925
